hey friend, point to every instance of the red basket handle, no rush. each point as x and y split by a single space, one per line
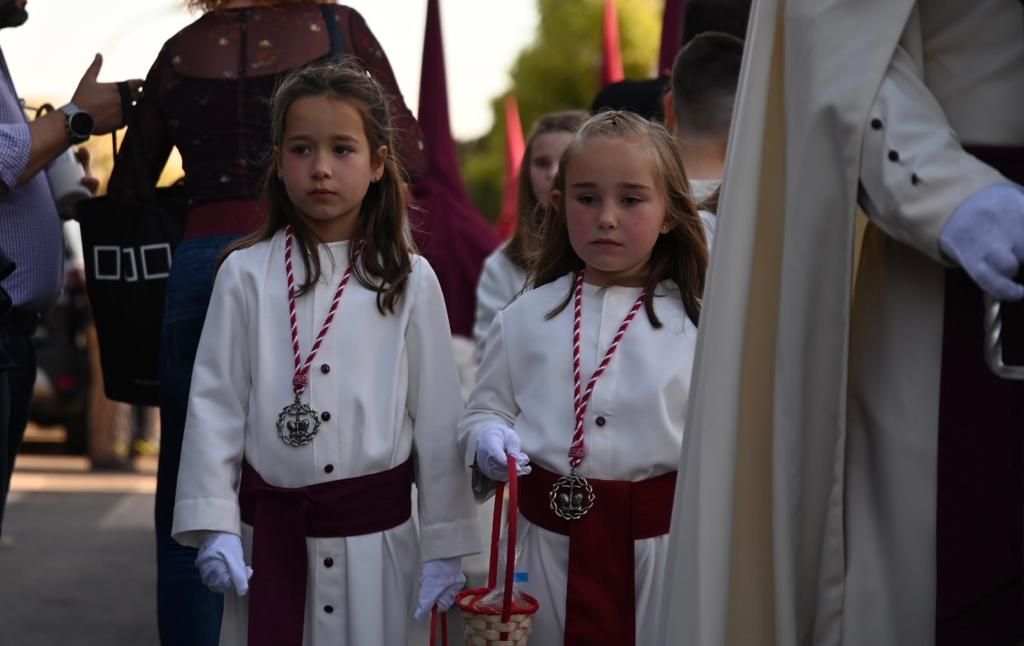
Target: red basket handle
496 530
510 555
433 627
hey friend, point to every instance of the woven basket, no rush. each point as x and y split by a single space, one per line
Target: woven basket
487 626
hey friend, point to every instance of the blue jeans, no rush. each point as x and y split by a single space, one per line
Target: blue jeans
189 614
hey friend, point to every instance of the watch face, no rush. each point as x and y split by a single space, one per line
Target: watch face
81 124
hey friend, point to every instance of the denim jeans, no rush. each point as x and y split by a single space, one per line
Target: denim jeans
189 613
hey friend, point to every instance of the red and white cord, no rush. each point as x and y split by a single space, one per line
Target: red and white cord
577 450
301 377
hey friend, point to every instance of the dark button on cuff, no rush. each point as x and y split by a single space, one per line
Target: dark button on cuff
876 124
329 468
328 562
328 609
914 179
894 156
325 416
600 421
324 368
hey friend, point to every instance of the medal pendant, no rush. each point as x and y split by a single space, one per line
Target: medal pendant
297 424
571 496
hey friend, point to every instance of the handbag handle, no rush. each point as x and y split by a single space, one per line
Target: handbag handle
331 22
146 183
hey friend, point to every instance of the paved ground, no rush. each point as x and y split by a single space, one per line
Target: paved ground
76 561
77 558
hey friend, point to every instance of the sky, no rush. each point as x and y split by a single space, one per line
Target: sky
48 54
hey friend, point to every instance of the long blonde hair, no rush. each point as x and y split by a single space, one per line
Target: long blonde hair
529 213
680 255
381 228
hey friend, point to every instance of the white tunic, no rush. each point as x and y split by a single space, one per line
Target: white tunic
393 392
806 512
703 188
525 381
501 280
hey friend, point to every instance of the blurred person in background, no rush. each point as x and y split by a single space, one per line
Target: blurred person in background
30 227
698 108
504 274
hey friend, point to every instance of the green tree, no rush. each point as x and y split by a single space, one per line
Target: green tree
560 70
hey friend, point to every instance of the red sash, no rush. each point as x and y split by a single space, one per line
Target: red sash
600 600
282 518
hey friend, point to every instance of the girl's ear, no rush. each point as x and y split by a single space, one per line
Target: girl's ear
667 225
669 110
379 157
555 198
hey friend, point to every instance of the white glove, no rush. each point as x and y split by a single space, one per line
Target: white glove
491 447
221 564
440 581
985 236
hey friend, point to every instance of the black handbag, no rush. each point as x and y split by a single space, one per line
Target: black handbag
129 245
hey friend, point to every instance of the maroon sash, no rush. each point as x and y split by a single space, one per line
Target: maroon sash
600 599
282 518
980 508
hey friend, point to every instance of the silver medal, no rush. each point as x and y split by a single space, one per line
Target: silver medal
297 424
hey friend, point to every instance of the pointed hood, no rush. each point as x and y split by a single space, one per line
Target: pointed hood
671 34
448 230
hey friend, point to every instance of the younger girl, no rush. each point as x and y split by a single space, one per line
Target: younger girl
324 386
592 370
504 273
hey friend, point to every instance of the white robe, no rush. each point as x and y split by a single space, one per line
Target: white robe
703 188
393 392
501 280
806 514
525 381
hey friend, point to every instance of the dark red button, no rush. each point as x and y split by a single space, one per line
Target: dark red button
328 562
894 156
914 179
325 416
324 368
329 468
876 124
328 609
600 421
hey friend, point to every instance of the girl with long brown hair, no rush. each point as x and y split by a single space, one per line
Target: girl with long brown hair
206 96
585 381
325 386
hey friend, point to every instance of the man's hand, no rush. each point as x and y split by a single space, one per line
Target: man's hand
49 134
985 236
101 100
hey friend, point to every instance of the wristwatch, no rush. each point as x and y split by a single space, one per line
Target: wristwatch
78 122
